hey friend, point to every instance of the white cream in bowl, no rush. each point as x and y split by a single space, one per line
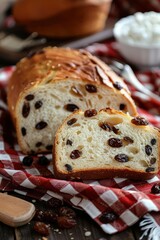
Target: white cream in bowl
142 28
138 38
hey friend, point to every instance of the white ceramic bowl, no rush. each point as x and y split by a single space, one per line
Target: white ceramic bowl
143 53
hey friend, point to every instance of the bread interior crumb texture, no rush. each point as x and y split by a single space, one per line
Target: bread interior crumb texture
91 140
54 100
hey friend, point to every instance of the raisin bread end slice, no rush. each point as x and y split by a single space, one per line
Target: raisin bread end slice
106 144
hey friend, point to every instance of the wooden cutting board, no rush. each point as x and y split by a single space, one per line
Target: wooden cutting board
15 211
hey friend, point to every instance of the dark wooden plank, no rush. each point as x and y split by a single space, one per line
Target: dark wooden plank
126 235
137 232
6 232
86 228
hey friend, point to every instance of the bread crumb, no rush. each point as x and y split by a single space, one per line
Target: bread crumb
87 234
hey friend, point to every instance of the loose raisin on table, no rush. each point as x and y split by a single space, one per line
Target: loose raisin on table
66 222
108 217
47 216
41 125
121 158
148 150
71 121
155 188
139 121
54 203
25 109
39 215
50 216
91 88
27 161
75 154
115 142
90 113
41 228
71 107
68 212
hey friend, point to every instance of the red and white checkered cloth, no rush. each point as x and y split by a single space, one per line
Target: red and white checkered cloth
130 200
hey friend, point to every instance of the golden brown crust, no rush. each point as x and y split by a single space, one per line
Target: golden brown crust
53 64
104 174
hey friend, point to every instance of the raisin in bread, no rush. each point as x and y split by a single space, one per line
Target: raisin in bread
106 144
50 84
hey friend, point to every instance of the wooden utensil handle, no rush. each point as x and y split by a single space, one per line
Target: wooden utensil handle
15 211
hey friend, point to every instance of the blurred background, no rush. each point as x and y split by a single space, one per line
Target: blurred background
29 12
60 23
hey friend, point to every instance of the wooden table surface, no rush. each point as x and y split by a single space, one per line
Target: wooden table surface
85 225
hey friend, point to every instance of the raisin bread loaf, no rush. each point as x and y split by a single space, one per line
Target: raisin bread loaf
106 144
50 84
64 18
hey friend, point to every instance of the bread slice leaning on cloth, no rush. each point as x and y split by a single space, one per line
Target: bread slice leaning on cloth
49 85
106 144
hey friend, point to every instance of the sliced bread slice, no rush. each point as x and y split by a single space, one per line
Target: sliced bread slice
106 144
